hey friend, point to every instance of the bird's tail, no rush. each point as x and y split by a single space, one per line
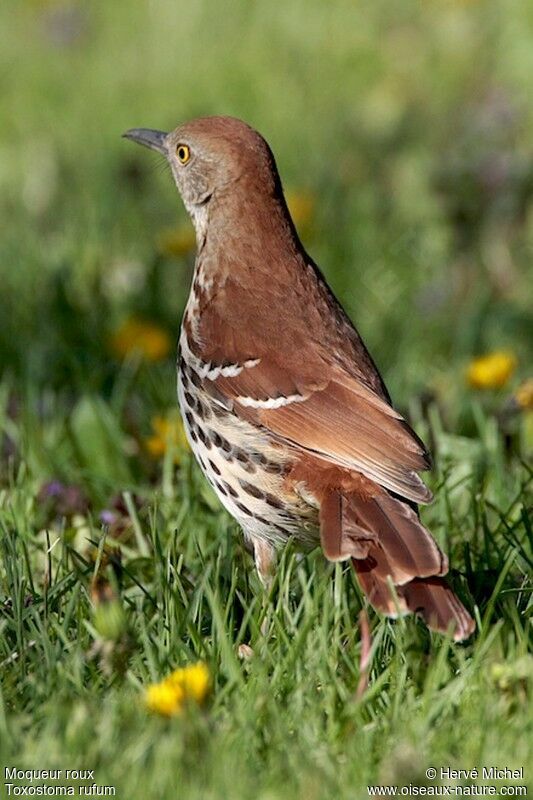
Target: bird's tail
398 564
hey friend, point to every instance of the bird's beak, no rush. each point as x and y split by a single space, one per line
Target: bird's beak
155 140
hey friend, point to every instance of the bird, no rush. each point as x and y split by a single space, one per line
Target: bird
283 406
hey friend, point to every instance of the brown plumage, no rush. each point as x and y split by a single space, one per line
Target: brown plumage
284 407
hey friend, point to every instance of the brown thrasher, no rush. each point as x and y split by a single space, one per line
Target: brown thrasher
283 406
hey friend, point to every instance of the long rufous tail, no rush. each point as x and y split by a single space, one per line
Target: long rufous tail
398 564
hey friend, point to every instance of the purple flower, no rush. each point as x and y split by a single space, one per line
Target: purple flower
52 489
63 500
108 517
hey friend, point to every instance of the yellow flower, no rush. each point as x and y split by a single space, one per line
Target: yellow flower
137 335
167 432
524 395
302 207
491 371
187 684
164 698
194 681
177 241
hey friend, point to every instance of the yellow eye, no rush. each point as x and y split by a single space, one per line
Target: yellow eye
183 153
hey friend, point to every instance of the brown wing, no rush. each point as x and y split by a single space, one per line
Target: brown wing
302 372
343 423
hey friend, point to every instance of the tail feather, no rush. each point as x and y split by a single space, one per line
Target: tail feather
350 523
341 534
438 606
373 574
388 544
410 548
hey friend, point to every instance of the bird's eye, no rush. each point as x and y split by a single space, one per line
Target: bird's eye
183 152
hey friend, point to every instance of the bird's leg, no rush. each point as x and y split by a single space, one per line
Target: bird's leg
265 558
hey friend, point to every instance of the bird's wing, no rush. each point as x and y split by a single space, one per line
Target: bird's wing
337 419
310 402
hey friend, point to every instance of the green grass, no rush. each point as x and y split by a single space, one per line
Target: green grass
410 127
287 722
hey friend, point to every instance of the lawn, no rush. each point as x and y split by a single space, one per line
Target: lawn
403 137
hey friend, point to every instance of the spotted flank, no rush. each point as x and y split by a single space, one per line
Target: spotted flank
244 467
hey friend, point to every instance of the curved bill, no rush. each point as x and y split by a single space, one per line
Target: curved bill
155 140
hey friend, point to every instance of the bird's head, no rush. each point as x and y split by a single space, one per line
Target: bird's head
212 158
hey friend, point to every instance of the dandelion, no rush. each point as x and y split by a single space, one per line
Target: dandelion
139 336
491 371
524 395
178 241
194 680
302 207
165 699
185 685
114 642
110 621
168 432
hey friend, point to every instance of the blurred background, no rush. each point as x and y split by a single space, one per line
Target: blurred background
403 136
403 133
